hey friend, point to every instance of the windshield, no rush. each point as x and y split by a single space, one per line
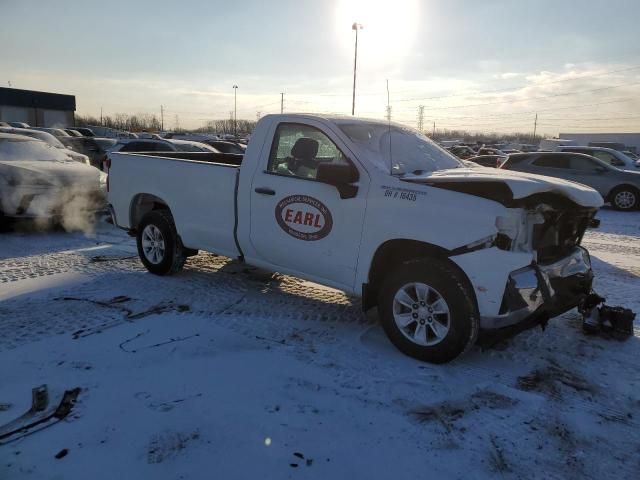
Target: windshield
44 136
25 150
397 149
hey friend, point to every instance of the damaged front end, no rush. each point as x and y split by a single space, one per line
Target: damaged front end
560 274
543 290
537 268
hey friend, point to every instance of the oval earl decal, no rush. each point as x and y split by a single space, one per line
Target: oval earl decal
304 217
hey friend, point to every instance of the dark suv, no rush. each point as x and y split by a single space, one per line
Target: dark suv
619 187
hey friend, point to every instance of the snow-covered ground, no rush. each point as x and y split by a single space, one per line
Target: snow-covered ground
223 371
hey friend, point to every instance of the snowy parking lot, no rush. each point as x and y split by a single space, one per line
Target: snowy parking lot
224 371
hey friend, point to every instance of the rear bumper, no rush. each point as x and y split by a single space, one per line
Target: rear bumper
543 290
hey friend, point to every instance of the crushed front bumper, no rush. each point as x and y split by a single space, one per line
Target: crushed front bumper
543 290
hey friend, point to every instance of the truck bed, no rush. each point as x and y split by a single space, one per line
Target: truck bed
198 188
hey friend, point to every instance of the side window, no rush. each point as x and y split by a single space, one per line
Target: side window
607 157
159 147
297 150
583 164
552 161
131 147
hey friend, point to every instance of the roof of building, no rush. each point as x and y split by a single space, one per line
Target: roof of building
31 99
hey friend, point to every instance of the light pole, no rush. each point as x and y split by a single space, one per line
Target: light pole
356 26
235 110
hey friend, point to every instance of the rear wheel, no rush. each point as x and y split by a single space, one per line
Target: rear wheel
427 311
159 246
625 198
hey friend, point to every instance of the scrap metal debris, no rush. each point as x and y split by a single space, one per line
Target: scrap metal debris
40 415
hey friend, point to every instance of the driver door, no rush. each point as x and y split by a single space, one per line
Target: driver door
299 223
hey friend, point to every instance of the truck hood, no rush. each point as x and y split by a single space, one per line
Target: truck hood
508 187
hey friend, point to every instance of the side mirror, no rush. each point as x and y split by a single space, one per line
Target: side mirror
340 176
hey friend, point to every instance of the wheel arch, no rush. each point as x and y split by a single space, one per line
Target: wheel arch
615 189
142 204
392 253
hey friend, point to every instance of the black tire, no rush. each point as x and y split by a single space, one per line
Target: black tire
445 282
172 258
625 198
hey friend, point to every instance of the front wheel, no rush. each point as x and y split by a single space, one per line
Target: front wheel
625 198
159 246
427 311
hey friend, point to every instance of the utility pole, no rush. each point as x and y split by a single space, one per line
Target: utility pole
433 135
101 124
388 104
535 128
282 102
356 26
420 118
161 118
235 110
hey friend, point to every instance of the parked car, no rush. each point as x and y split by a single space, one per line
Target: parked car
86 132
56 132
490 151
619 187
95 148
226 147
442 250
4 124
40 181
613 145
72 132
493 161
159 145
19 125
49 140
608 155
462 151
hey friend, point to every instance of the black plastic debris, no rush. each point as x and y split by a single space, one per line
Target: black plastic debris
600 318
62 453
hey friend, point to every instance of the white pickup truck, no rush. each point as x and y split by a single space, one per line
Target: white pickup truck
374 209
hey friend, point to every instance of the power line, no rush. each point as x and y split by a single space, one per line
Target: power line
564 94
551 82
522 86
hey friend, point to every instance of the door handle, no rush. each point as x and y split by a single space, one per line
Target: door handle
265 191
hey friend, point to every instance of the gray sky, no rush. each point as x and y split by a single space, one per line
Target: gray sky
486 65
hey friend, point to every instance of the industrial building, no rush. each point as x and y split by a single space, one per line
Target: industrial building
38 109
630 140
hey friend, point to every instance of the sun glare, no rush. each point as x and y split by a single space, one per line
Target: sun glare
389 26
